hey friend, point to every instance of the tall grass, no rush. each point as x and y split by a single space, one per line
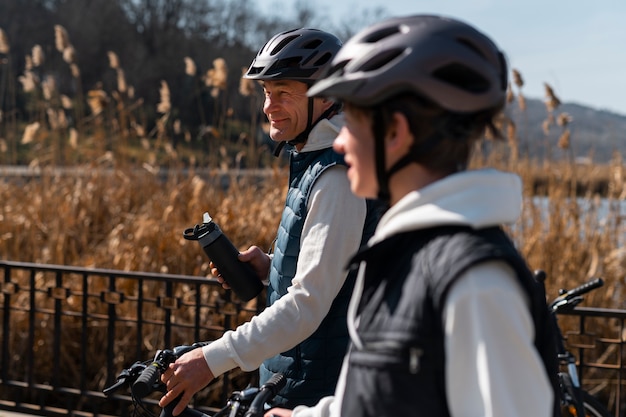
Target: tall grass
121 212
131 219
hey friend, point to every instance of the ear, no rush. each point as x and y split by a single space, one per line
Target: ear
399 137
326 102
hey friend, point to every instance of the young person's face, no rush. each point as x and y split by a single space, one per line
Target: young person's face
356 142
286 108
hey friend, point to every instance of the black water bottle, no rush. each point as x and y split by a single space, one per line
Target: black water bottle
238 275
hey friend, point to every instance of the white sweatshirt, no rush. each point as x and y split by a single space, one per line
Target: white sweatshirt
331 235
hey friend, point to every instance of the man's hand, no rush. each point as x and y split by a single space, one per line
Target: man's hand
259 260
185 377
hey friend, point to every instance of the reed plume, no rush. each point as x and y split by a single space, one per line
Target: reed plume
518 81
563 120
564 139
122 87
114 61
165 105
552 101
517 78
69 55
5 47
190 67
61 38
66 102
73 139
30 132
217 76
97 100
75 70
246 85
29 81
49 87
37 56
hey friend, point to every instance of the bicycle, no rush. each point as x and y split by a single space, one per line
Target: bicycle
144 378
575 401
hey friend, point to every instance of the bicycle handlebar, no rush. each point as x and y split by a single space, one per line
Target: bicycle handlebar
144 378
149 378
266 392
568 299
585 288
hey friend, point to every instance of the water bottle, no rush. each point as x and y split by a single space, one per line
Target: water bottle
238 275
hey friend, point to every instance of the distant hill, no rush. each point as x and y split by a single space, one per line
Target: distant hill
594 133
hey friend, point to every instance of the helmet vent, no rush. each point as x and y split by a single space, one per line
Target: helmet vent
313 44
324 59
292 62
381 59
462 77
471 46
282 44
254 70
381 34
338 68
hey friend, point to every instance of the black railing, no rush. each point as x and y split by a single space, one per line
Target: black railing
67 332
597 337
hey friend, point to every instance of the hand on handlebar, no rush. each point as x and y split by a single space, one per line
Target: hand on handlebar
184 378
259 260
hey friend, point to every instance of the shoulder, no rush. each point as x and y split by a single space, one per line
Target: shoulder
490 278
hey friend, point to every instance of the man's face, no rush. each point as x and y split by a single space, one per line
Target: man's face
286 108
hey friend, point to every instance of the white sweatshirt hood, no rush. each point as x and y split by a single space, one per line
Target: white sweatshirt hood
478 198
323 134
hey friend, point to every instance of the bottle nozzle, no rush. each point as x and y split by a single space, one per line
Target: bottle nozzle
206 218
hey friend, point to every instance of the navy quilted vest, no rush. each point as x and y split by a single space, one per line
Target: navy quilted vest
312 367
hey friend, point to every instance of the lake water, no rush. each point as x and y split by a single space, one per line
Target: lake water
607 215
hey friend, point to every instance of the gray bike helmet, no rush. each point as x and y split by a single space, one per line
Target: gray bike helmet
298 54
438 58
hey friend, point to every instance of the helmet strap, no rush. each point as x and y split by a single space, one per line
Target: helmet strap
379 130
412 156
304 135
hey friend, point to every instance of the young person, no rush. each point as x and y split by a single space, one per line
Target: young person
302 333
446 318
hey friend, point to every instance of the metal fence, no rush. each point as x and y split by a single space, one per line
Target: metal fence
597 337
67 332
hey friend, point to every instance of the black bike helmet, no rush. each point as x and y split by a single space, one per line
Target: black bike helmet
298 54
441 59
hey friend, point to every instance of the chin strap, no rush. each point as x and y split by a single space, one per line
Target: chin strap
378 129
412 155
279 148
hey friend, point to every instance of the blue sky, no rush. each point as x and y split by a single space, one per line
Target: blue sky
577 47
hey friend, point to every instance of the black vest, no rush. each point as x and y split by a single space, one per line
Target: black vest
401 369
